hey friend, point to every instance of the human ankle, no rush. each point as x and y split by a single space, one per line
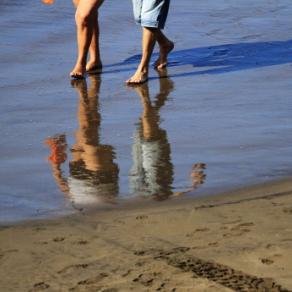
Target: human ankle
94 61
81 62
167 44
143 69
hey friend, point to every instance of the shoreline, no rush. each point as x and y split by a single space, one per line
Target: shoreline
234 241
180 198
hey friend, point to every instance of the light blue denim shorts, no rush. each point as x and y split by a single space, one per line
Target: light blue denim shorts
151 13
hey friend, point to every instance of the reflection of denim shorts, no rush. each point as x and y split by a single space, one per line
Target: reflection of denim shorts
151 13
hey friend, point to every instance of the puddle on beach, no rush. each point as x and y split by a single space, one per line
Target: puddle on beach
218 118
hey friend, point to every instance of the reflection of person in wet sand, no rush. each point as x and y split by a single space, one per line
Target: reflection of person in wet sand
93 172
152 171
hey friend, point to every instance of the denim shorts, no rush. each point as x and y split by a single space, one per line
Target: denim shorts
151 13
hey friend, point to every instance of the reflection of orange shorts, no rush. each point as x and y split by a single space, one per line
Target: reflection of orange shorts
49 2
58 151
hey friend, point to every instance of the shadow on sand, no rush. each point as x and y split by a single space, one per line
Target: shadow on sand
221 59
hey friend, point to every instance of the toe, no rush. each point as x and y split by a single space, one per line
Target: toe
129 81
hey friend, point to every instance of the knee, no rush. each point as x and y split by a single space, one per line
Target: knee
82 19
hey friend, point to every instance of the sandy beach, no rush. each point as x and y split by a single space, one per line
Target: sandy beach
241 241
203 203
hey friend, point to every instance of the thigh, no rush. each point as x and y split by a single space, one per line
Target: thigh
86 7
75 2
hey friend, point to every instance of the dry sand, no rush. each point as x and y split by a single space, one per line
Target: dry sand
240 241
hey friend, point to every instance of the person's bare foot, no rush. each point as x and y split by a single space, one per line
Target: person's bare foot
139 77
78 72
161 62
93 66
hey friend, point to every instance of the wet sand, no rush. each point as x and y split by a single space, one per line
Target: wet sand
240 241
224 104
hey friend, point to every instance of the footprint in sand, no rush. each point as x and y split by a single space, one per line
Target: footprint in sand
93 280
286 239
199 247
215 243
197 231
275 204
247 224
202 229
3 253
81 242
236 234
233 222
90 284
41 242
267 261
269 245
141 217
140 264
127 273
58 239
160 287
120 222
239 229
139 253
218 273
288 210
144 280
39 287
73 268
147 279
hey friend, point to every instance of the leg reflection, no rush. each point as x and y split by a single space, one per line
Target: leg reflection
152 171
93 174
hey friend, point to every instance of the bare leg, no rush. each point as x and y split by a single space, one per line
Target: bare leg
94 62
165 46
148 43
85 25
